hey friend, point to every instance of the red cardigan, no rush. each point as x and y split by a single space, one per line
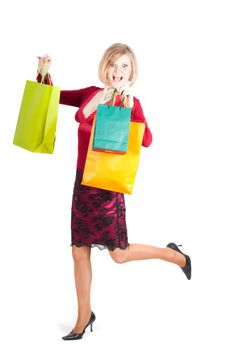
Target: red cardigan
79 98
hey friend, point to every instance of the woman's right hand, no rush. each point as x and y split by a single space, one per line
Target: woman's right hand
44 64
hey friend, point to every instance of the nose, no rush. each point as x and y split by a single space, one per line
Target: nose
117 69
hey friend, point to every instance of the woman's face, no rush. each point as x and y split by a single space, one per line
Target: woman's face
119 71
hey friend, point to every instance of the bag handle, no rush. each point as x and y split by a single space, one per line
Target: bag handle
113 99
42 81
43 71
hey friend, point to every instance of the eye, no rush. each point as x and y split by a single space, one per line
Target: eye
113 65
124 66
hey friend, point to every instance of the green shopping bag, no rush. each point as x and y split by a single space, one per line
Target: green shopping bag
112 128
36 125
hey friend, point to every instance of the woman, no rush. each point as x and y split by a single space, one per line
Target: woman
98 216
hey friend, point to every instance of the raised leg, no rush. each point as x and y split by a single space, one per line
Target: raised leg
136 251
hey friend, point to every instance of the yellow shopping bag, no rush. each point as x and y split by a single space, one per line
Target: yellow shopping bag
112 171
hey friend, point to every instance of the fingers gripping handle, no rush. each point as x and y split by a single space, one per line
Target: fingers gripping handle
113 99
43 67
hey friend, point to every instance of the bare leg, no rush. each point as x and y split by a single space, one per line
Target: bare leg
137 251
83 279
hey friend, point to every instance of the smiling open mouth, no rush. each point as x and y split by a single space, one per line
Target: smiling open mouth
117 78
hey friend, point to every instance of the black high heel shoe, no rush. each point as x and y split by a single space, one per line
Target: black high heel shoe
74 336
187 269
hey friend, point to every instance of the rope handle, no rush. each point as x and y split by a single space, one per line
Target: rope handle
43 71
113 99
42 81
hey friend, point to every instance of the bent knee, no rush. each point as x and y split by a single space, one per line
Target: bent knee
80 253
118 255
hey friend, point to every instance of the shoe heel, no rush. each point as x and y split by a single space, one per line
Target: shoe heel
91 327
187 268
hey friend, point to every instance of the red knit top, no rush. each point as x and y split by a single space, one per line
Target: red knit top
79 98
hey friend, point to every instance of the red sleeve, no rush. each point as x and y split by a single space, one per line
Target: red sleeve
138 116
70 97
76 97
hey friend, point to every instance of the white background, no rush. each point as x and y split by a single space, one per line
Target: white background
183 190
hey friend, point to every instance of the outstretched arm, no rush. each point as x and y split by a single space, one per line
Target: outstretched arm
69 97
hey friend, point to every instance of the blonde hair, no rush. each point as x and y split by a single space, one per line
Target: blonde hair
113 52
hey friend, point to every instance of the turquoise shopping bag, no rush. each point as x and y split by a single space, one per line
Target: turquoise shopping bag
112 128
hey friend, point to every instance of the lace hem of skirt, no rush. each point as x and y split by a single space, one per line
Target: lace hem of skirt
100 246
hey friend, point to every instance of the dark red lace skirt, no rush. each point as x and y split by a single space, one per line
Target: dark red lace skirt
98 217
